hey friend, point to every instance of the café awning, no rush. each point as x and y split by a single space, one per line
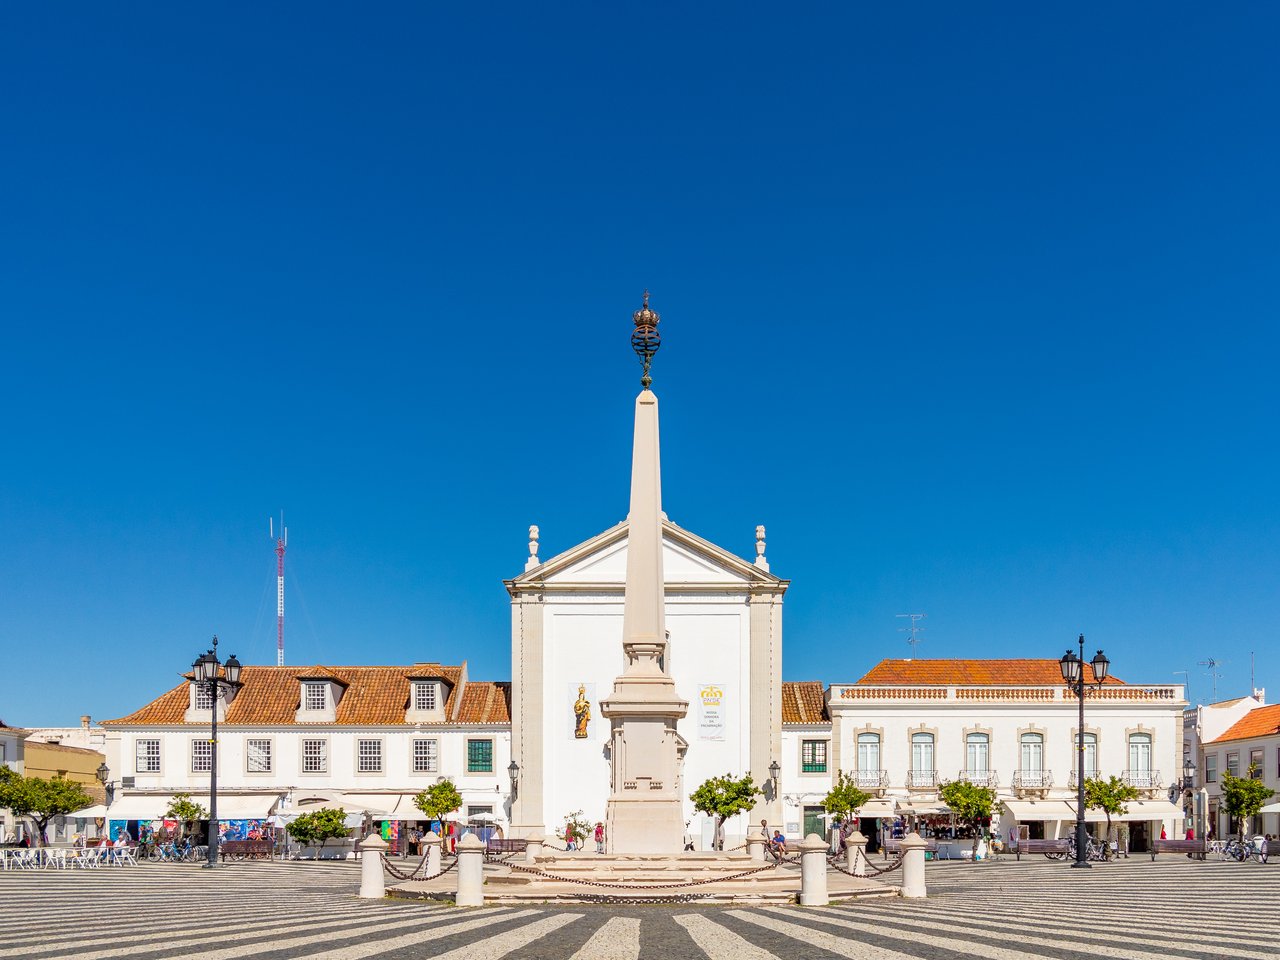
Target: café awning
925 808
146 807
1137 810
1024 810
876 808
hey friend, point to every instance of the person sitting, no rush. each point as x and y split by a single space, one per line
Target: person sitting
778 845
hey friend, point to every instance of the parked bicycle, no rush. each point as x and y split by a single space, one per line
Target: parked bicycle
1248 849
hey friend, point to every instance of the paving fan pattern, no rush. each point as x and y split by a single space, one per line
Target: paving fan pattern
1136 910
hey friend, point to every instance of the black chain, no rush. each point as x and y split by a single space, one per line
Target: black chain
870 870
412 874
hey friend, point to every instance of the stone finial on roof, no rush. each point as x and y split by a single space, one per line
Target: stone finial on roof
761 561
533 560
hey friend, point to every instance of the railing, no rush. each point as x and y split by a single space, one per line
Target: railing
1033 780
922 779
1073 781
1010 693
1143 779
979 778
870 779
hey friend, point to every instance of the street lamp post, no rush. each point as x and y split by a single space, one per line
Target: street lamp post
1073 673
103 773
205 671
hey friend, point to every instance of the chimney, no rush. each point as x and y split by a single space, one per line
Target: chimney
85 721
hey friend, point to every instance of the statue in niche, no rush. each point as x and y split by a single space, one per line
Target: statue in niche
582 711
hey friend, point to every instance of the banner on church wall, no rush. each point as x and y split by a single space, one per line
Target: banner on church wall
711 711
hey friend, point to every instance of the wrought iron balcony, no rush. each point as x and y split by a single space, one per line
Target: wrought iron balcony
922 779
1033 780
980 778
870 779
1143 779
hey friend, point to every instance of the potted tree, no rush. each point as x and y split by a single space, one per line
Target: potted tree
725 797
971 804
314 830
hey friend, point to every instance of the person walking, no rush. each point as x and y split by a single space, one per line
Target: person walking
599 838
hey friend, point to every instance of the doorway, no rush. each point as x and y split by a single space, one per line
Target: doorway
814 822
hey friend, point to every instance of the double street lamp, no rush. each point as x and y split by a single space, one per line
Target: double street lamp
205 672
1073 673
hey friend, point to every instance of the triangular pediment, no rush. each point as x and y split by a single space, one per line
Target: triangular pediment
686 559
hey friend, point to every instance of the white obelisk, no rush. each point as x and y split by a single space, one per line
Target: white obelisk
645 808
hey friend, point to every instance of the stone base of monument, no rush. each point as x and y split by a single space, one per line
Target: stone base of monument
710 878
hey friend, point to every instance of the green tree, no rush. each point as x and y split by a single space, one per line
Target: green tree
185 810
843 800
1111 796
725 797
439 800
319 826
40 800
575 825
971 804
1243 797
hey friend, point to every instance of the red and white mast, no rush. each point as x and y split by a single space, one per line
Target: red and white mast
282 541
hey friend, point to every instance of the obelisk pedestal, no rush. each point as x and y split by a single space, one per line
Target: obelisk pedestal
645 807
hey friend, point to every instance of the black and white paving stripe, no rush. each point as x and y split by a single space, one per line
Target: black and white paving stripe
1137 910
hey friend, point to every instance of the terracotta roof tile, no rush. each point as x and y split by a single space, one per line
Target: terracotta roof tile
371 696
804 701
1258 722
975 673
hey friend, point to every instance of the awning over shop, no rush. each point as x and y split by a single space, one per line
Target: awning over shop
876 808
1137 810
1271 808
89 813
929 808
1024 810
251 806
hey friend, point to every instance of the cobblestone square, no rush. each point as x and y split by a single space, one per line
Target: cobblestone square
1003 910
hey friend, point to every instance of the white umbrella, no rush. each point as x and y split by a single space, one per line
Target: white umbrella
1271 808
483 818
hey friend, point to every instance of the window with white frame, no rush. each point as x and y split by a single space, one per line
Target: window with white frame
1233 764
201 756
203 697
1090 755
426 755
315 696
1032 753
147 756
1255 763
424 695
3 758
368 756
1140 752
868 752
315 756
813 756
257 756
977 751
1211 768
922 753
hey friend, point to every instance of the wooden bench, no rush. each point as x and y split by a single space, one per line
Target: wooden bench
1194 847
894 846
501 847
1042 846
245 849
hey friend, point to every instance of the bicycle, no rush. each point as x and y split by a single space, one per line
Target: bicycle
1242 850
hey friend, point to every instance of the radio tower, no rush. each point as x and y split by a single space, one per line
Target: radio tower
282 541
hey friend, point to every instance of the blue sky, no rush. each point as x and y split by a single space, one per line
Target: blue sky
973 306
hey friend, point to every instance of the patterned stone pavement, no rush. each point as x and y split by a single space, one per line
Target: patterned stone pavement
1005 910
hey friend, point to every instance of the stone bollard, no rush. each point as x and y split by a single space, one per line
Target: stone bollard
913 866
813 872
470 872
432 842
755 844
373 885
855 853
534 849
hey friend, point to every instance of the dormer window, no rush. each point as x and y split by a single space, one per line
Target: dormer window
314 696
202 698
424 695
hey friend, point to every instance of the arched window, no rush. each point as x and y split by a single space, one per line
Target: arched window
1032 753
1090 755
1140 752
868 752
922 753
977 748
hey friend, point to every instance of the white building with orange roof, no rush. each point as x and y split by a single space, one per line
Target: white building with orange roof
1249 747
910 725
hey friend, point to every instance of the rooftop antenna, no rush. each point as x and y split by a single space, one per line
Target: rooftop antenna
914 629
282 541
1213 666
